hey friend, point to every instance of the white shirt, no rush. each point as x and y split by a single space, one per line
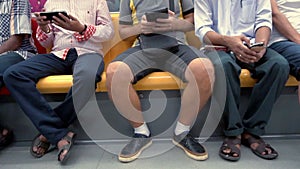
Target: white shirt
232 17
291 10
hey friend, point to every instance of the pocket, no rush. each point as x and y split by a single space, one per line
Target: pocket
248 11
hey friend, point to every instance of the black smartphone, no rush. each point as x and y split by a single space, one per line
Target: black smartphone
154 15
258 46
50 15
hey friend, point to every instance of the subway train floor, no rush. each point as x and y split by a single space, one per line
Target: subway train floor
160 155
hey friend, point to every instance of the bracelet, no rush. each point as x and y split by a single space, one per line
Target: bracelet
48 30
82 32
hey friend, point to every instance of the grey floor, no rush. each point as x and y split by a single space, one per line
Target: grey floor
161 154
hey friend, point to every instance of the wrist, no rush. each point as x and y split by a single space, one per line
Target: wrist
83 30
46 29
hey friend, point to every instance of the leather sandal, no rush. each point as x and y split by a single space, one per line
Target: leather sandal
261 148
66 147
39 144
230 143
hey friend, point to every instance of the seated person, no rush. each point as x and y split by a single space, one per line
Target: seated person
184 62
77 49
285 38
234 24
15 44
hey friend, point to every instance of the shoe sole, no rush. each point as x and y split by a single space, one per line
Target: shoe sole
198 157
134 157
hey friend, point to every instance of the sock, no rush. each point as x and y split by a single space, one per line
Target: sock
180 128
143 129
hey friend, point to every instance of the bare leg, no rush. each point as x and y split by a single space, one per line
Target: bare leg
200 76
118 81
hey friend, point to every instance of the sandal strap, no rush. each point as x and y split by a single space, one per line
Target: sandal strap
262 146
43 144
231 143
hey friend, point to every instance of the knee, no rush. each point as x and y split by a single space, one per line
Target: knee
202 71
281 66
110 71
9 75
119 71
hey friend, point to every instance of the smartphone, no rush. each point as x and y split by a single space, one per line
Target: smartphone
257 47
153 16
50 15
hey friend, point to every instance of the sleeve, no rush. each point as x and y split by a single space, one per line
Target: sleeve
263 15
125 17
187 6
20 18
102 30
203 18
45 39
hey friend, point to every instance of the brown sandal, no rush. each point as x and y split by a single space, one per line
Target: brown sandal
261 148
230 143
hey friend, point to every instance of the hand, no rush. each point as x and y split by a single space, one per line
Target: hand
166 25
43 24
260 53
161 25
146 27
242 52
70 23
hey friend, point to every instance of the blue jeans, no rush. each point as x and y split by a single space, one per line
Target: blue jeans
291 51
6 60
21 81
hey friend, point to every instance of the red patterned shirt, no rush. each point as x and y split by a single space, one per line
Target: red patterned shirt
93 13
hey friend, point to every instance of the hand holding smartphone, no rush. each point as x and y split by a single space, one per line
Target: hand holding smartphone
153 16
257 46
49 15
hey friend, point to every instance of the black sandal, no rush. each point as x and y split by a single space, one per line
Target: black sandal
230 143
262 147
67 147
36 142
6 139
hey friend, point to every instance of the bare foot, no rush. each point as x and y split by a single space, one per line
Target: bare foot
63 142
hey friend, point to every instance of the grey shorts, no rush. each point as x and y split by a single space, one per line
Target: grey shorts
142 64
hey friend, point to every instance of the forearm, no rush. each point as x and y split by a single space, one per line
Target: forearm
263 34
13 43
129 31
184 25
214 38
284 27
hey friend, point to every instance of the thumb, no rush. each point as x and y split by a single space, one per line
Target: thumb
245 39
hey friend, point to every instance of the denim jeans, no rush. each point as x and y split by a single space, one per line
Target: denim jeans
21 81
291 51
8 59
271 71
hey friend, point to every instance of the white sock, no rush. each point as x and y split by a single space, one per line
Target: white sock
180 128
143 129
